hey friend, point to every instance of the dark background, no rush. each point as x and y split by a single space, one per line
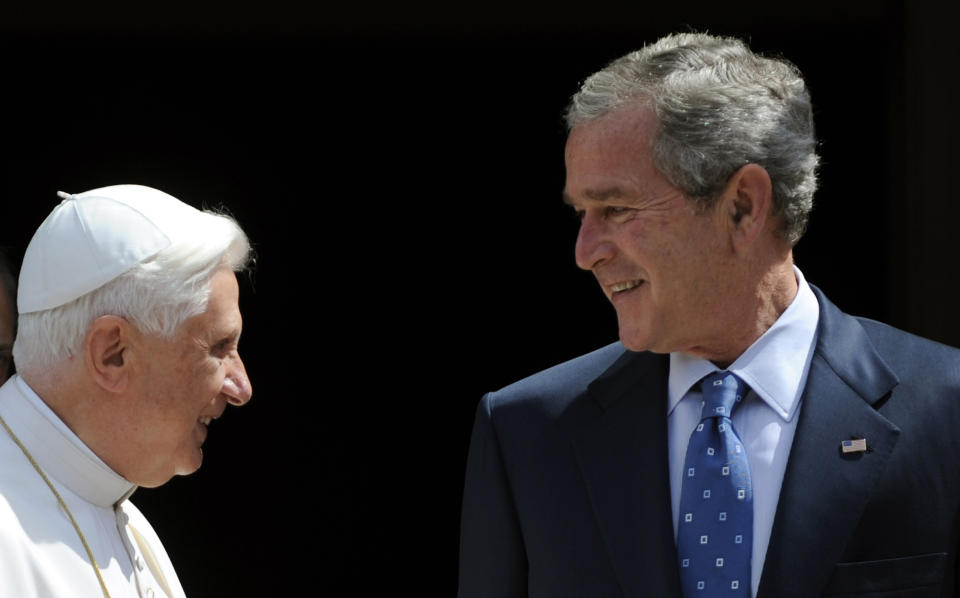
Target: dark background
399 172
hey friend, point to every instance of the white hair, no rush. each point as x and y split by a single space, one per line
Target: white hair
157 295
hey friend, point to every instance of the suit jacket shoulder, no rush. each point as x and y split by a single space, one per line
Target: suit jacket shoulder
565 489
550 391
884 520
915 359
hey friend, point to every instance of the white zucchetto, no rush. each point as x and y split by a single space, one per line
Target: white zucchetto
91 238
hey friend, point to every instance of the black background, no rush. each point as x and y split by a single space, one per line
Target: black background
399 172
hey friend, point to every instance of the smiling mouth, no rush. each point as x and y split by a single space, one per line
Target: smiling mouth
625 286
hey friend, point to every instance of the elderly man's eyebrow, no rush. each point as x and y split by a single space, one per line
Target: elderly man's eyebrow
233 336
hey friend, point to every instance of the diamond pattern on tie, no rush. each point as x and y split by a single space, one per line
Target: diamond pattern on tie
715 533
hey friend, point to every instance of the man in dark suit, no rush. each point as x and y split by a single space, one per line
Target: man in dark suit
692 165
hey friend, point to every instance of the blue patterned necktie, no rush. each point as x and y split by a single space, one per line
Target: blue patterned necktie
715 532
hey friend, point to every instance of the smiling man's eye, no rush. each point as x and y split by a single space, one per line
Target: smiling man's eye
616 210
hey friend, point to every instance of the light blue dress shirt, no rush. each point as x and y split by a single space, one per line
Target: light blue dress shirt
775 367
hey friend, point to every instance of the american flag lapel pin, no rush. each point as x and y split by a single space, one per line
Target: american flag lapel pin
855 445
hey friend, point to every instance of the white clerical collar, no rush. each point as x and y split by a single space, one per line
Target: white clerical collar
774 366
59 452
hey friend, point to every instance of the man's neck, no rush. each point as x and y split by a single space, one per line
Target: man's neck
772 294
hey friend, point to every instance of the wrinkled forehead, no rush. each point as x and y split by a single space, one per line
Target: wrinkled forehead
611 156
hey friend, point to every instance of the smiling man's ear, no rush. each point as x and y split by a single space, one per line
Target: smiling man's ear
106 352
748 202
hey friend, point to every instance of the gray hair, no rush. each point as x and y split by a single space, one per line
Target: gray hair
157 294
719 106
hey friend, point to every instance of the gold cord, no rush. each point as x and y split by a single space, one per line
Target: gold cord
96 568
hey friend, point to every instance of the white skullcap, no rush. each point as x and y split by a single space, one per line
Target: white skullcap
91 238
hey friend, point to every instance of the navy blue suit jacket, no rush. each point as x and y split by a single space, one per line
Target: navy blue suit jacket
567 489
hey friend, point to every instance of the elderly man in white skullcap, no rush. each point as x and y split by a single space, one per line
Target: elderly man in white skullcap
126 351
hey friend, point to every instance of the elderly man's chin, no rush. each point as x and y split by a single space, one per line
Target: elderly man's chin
192 464
185 465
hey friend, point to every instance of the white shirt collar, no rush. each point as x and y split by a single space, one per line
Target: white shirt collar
774 366
58 451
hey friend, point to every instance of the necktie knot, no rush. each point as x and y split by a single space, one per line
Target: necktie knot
722 392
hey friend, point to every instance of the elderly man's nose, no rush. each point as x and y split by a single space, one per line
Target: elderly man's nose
237 385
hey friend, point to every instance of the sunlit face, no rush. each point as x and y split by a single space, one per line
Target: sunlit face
7 318
187 382
657 258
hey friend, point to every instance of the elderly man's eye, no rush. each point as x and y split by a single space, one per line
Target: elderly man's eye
222 348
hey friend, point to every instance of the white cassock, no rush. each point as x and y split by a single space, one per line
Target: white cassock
41 555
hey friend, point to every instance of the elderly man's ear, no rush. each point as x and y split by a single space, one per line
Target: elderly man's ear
748 202
106 352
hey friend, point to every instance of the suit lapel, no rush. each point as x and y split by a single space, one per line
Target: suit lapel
824 491
624 465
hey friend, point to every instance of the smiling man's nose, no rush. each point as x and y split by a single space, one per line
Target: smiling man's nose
592 248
